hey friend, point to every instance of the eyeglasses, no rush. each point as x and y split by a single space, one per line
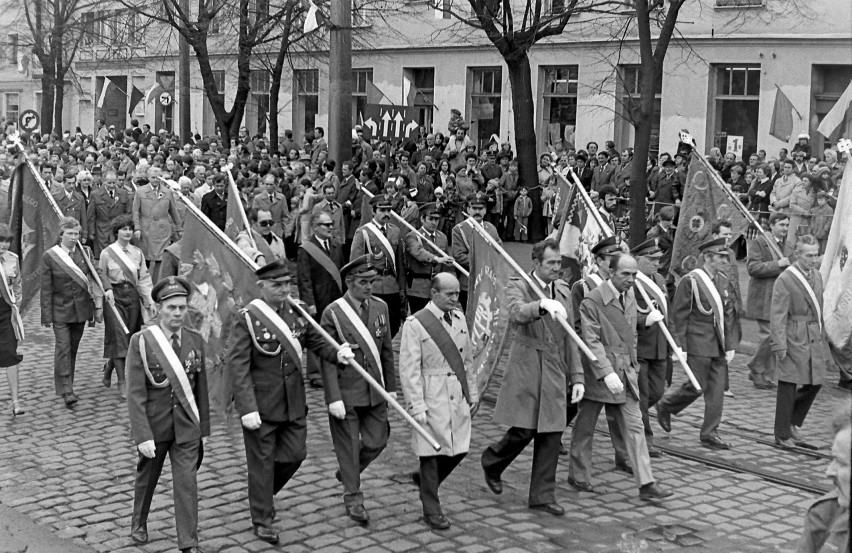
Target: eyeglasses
266 223
325 224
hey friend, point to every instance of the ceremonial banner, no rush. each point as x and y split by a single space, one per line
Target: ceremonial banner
223 282
235 218
836 269
35 225
487 314
704 203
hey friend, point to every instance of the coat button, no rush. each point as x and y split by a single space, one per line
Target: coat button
452 398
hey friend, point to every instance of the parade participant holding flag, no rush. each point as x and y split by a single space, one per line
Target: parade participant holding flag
462 238
123 265
358 414
423 261
264 364
69 298
702 315
11 325
169 411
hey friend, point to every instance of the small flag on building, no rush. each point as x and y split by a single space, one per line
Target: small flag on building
837 114
781 126
136 96
104 89
311 23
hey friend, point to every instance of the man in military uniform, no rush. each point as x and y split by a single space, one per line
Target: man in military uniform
462 235
608 319
543 363
265 368
652 349
433 354
381 239
169 411
358 414
702 315
422 261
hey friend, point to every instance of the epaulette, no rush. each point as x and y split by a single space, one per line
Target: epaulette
193 332
378 300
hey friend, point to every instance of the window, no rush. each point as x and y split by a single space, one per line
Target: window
13 49
485 88
360 78
257 115
421 94
89 37
12 107
559 111
306 106
736 106
442 9
828 82
210 125
629 90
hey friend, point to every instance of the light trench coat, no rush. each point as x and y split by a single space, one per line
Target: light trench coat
154 212
430 385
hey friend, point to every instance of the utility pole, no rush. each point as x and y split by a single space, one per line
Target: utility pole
340 82
183 83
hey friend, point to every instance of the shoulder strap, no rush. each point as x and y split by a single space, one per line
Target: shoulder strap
270 319
172 366
809 289
128 267
654 291
433 327
67 264
702 280
383 240
362 334
324 261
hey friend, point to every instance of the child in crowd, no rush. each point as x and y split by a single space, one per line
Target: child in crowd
821 217
523 208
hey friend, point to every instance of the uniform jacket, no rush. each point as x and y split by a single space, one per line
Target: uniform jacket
430 385
462 239
102 211
762 266
264 377
693 327
543 362
651 342
794 327
215 208
316 286
388 282
154 211
418 261
610 333
341 382
62 299
155 412
665 242
75 207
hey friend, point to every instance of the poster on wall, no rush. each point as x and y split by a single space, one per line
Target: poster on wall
735 146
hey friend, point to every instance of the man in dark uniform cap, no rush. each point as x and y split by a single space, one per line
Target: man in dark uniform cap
463 238
358 414
264 365
652 348
169 410
382 240
702 315
422 261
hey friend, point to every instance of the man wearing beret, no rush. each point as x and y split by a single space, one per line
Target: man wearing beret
422 260
264 364
703 315
358 414
463 238
169 411
380 239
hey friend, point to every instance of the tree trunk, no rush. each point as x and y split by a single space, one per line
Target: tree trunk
639 178
274 94
47 94
523 109
217 104
59 100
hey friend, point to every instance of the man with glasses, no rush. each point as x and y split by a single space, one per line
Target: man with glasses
332 207
105 204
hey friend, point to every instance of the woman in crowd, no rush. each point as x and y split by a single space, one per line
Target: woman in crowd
11 330
124 266
801 201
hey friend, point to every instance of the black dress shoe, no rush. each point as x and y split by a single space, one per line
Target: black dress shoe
195 549
437 522
653 452
624 467
554 509
139 535
358 513
494 483
664 418
652 492
70 399
316 383
582 486
266 534
107 378
785 442
715 443
415 477
338 476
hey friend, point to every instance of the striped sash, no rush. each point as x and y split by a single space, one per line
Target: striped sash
172 366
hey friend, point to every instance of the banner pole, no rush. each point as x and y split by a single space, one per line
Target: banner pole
232 185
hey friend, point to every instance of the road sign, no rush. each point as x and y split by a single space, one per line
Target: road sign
29 120
735 146
391 122
166 99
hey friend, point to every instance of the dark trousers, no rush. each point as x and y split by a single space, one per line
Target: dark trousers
463 300
184 459
652 386
497 457
615 435
415 303
394 310
274 452
433 471
710 374
792 405
358 439
68 336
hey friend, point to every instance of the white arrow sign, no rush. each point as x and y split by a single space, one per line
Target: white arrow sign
372 124
386 118
398 119
410 127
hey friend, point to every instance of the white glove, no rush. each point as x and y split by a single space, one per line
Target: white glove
344 354
109 296
553 307
654 317
677 353
337 410
613 383
729 355
577 393
421 418
393 395
251 421
147 449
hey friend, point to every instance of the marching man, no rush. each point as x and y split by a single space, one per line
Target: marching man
433 354
169 411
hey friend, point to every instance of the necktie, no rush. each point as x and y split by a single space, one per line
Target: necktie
111 195
385 231
176 344
363 311
621 300
448 318
325 246
552 291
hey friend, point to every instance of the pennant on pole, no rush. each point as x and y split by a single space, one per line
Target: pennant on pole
104 88
311 23
836 269
781 126
837 114
154 93
135 96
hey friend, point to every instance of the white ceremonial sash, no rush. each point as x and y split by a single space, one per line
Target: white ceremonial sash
362 332
811 294
9 296
383 240
714 295
128 266
270 318
68 264
654 290
173 368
